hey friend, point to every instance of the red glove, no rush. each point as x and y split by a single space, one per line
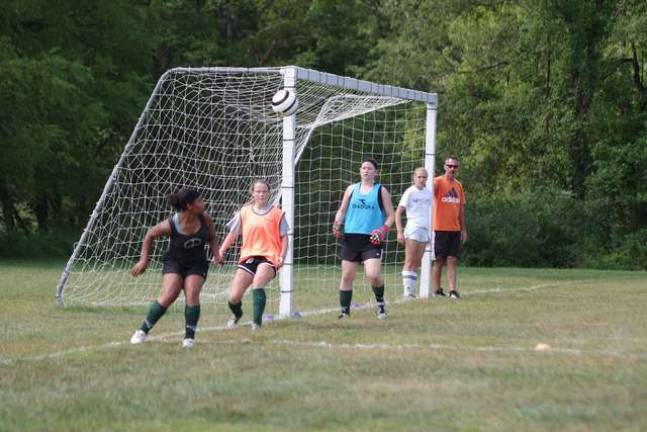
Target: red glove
337 230
379 234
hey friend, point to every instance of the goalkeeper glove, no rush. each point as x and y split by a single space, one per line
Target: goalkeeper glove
379 234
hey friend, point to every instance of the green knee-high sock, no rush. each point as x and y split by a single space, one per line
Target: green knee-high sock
236 309
259 305
379 293
191 317
155 312
344 300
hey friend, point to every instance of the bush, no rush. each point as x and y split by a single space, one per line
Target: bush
52 244
629 254
537 229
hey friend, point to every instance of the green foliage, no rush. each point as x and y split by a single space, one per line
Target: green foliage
49 117
626 252
534 96
618 180
551 228
535 229
69 80
54 244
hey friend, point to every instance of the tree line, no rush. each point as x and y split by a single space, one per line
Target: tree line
544 101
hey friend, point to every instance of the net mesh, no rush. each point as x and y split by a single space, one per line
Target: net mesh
214 130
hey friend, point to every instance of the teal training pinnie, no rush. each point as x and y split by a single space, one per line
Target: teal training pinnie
364 213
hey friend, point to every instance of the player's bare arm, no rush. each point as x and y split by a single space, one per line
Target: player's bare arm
162 229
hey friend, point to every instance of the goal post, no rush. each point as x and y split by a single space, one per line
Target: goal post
287 198
430 159
214 129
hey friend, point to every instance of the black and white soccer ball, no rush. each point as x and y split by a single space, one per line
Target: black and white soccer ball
285 102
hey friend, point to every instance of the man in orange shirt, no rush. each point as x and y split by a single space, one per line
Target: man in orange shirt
450 232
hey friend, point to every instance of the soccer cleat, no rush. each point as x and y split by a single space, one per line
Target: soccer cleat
188 343
138 337
232 322
255 327
453 294
343 316
380 311
440 293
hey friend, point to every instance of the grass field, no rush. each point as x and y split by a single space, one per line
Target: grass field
433 365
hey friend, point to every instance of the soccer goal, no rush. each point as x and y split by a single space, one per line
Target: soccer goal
214 129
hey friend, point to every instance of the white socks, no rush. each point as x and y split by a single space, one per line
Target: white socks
409 279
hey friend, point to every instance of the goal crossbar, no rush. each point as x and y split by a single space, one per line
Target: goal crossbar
326 78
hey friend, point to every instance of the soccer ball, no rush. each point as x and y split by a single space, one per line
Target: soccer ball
285 102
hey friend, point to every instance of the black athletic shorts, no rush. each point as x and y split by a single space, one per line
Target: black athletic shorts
173 265
250 265
446 244
358 248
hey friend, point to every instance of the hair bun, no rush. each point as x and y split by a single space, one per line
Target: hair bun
182 198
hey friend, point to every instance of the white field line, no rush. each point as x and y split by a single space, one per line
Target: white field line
526 289
166 336
161 337
428 347
439 347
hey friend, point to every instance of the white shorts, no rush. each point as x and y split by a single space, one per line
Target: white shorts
421 235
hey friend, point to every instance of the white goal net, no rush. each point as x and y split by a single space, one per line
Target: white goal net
213 129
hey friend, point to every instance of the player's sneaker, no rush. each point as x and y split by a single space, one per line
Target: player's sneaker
188 343
233 321
343 316
453 294
255 326
440 293
380 311
138 337
410 293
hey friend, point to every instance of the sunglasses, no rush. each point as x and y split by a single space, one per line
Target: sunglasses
451 166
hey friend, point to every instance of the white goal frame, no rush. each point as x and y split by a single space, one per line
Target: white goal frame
291 76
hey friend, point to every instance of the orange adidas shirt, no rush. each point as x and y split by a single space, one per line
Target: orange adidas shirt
448 200
261 234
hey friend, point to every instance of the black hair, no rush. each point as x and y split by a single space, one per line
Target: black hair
182 198
372 161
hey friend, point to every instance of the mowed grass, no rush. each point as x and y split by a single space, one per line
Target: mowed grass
433 365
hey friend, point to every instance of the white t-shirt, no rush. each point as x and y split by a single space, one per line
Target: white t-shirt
417 203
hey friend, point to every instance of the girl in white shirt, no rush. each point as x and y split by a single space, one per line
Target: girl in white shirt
416 202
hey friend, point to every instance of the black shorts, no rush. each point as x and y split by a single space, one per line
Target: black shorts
173 265
446 244
358 248
250 265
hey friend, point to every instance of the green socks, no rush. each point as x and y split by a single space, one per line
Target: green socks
259 305
379 293
155 312
191 316
344 300
236 309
